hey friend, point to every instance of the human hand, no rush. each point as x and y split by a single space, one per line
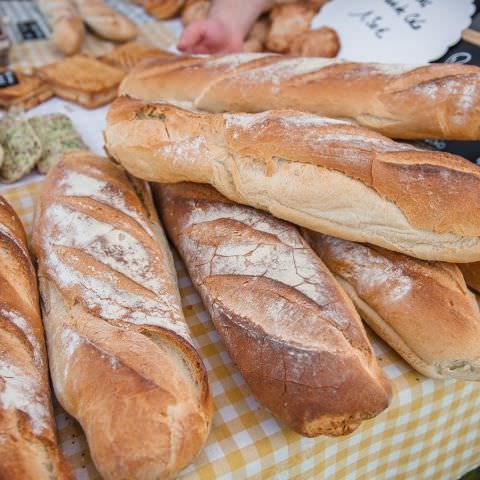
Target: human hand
211 36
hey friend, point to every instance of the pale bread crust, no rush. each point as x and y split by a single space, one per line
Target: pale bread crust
300 345
28 443
126 372
411 102
423 310
329 176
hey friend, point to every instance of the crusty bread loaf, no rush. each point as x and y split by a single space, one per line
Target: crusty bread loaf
288 22
28 444
121 358
194 11
287 324
105 21
471 273
326 175
400 101
423 310
322 42
68 31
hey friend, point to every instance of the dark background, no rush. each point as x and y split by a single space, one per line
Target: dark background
463 50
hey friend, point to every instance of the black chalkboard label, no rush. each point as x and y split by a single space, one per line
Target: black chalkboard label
30 30
7 79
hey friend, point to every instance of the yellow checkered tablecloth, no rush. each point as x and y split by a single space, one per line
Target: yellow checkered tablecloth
430 431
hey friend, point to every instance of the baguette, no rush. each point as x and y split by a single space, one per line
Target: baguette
409 102
105 21
423 310
28 443
326 175
121 358
66 24
294 334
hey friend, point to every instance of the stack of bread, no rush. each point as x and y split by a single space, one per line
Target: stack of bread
283 28
296 219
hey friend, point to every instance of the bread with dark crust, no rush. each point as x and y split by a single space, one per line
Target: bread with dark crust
294 334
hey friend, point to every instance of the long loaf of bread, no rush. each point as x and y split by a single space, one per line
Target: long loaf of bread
28 444
400 101
294 334
326 175
121 358
66 24
423 310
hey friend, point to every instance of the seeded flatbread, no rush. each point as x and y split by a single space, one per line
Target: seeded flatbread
58 136
22 148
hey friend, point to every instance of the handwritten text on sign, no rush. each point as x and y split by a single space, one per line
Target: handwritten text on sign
393 31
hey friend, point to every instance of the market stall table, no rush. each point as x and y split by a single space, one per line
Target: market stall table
429 431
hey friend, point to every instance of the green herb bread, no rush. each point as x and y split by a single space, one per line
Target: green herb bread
58 136
22 148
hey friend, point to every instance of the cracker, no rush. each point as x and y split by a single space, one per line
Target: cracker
83 79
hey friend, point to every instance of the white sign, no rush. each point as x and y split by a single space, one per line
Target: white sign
396 31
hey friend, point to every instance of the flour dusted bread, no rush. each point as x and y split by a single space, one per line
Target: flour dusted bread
28 444
423 310
287 324
400 101
121 358
326 175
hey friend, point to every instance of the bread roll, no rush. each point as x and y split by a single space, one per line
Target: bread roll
323 42
105 21
255 40
423 310
28 443
288 21
121 358
194 11
67 27
400 101
323 174
289 327
471 273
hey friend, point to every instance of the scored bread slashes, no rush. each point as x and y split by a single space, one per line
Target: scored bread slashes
113 313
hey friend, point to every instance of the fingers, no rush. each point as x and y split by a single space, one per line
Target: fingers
193 37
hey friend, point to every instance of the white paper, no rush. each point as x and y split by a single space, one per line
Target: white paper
396 31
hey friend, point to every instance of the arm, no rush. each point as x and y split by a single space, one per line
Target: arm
225 28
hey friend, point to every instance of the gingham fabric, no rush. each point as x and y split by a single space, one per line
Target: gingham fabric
430 431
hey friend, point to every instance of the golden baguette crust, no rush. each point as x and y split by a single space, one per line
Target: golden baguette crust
324 174
471 273
400 101
121 358
28 443
423 310
289 327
